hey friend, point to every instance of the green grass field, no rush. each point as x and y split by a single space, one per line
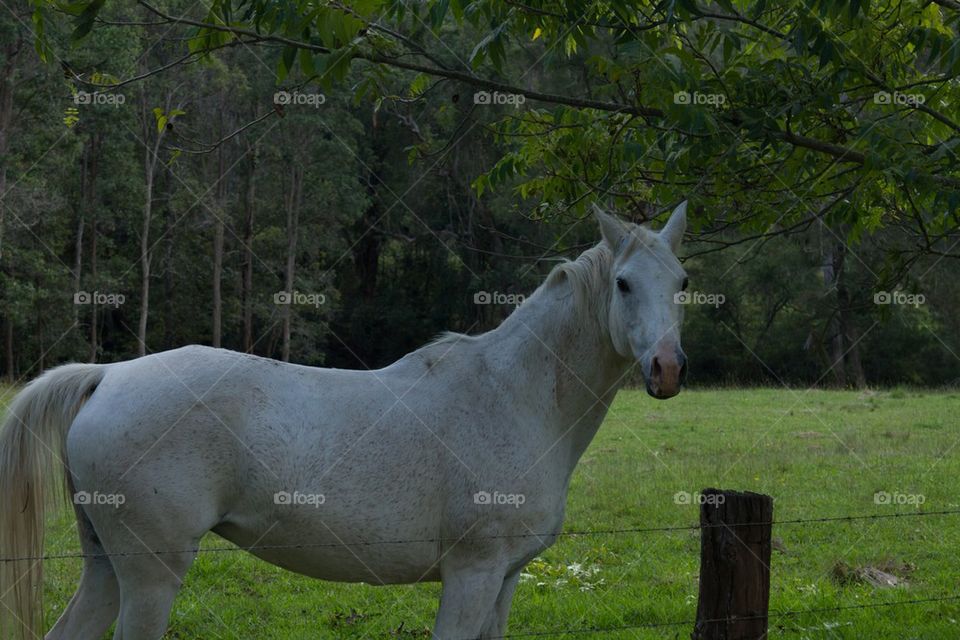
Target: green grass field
818 453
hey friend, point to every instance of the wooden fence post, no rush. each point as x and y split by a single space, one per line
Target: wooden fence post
734 566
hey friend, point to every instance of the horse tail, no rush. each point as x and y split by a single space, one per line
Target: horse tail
33 476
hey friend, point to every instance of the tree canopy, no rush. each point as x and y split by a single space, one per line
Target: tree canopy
765 114
399 157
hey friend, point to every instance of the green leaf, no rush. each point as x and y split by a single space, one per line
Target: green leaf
456 8
40 43
325 28
438 11
87 18
483 47
286 62
419 84
346 28
827 52
71 7
306 63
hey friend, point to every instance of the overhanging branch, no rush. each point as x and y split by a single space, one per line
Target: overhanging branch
839 152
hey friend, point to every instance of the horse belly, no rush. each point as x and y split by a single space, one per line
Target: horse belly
343 511
343 556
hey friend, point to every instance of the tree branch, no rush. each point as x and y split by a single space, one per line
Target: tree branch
949 4
841 153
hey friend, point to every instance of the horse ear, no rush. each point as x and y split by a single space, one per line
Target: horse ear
611 227
672 232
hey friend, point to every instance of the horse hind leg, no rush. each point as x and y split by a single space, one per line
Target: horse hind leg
150 572
148 586
150 557
96 603
94 606
137 590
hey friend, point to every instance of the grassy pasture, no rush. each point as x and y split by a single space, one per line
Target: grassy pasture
818 453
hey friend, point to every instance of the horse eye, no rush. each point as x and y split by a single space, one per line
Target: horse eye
622 285
683 287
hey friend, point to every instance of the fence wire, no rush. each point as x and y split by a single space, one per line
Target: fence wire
555 534
579 631
690 623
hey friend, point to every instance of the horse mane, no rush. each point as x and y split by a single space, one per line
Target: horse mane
448 337
589 274
589 278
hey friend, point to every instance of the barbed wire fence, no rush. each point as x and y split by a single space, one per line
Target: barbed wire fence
578 631
559 534
691 622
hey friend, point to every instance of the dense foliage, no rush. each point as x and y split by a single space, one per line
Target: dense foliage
386 161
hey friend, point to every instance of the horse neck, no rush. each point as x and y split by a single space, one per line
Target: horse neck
566 356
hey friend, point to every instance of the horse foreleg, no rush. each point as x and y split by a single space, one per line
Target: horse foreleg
496 623
469 594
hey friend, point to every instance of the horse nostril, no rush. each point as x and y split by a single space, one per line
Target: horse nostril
655 368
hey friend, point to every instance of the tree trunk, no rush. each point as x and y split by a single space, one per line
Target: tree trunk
11 53
832 267
169 273
38 330
854 364
8 349
145 265
850 335
92 170
249 207
78 251
366 252
221 211
84 205
842 333
94 314
150 166
293 215
217 276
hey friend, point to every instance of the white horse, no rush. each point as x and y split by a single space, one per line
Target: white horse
464 447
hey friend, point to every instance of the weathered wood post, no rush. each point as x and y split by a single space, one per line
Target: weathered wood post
734 565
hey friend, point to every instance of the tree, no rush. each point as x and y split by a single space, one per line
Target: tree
431 151
813 107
